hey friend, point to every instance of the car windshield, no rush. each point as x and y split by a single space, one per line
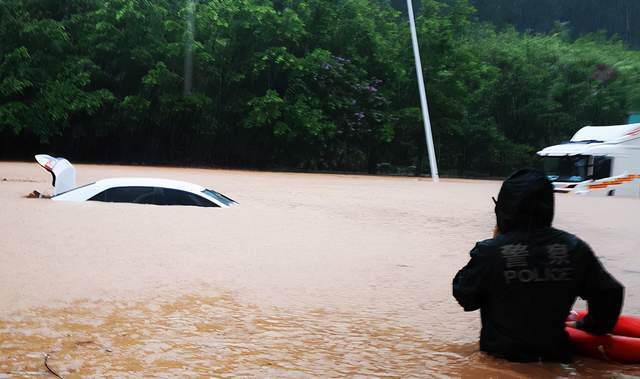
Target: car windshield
566 169
219 197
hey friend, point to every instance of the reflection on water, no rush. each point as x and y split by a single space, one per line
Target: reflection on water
219 336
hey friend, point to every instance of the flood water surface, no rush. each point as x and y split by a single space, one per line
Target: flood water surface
311 275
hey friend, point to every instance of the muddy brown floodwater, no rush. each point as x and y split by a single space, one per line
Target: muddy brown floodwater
311 275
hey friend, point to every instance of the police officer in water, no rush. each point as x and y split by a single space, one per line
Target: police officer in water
526 279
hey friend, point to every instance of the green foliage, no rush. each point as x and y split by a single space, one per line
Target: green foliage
265 110
301 84
620 17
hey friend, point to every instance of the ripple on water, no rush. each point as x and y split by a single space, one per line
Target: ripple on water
220 336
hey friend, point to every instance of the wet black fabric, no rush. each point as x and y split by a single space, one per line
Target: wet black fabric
526 280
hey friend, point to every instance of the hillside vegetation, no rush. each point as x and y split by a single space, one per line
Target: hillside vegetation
296 84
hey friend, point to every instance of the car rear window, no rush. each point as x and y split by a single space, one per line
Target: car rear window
137 195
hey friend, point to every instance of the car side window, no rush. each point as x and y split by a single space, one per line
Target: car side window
138 195
170 196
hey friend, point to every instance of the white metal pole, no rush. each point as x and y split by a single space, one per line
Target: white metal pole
423 97
188 50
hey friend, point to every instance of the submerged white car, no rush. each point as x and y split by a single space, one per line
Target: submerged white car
129 190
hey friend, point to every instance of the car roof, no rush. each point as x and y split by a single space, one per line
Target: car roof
149 182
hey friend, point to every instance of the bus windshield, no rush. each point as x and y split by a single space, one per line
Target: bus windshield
566 169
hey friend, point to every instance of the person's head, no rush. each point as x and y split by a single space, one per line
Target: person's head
525 201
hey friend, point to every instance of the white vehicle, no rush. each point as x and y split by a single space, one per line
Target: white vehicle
599 161
128 190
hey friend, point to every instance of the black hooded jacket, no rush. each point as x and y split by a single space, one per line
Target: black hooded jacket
526 280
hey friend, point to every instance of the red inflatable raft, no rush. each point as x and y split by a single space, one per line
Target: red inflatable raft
622 345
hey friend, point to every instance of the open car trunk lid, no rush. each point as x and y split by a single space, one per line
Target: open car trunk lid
62 171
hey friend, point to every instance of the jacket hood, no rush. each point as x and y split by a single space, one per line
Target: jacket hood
525 201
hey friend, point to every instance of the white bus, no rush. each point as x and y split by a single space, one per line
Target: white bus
598 161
